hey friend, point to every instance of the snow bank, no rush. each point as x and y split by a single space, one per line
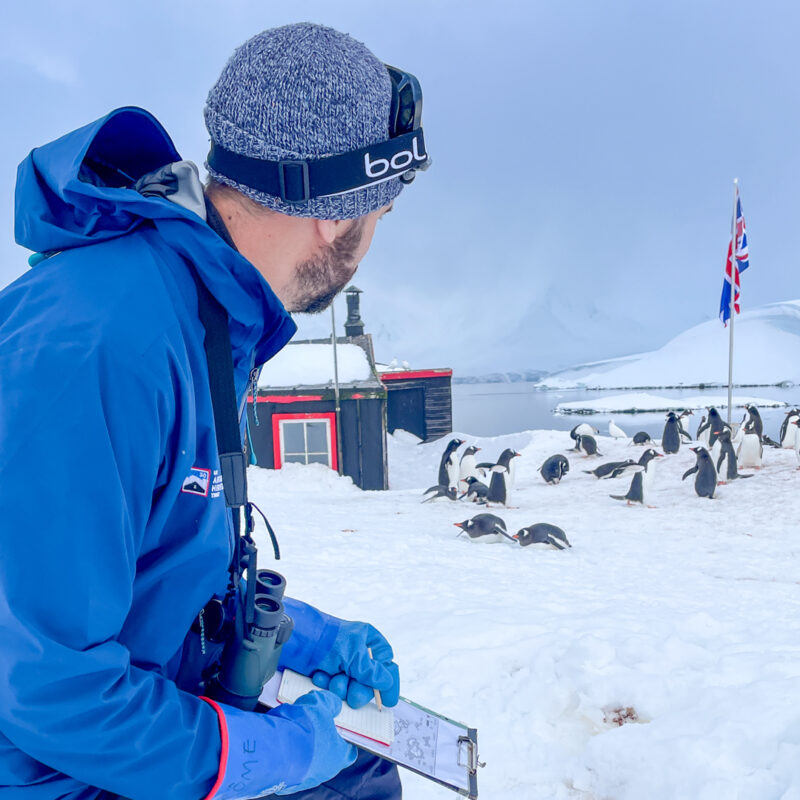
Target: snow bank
687 614
634 402
306 364
766 340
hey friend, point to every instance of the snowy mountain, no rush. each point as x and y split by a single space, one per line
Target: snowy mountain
767 343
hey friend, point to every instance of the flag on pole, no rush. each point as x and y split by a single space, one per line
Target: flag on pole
734 266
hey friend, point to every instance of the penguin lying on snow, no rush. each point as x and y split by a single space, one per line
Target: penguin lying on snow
705 484
642 437
476 492
727 467
613 469
448 466
586 443
554 469
542 533
642 481
485 528
440 491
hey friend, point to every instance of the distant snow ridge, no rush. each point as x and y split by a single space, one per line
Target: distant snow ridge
766 343
641 402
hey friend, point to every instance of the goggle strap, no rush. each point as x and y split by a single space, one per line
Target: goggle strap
300 180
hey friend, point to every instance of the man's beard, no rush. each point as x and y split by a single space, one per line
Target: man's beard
320 279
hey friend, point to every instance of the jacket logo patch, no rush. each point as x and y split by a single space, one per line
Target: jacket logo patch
197 482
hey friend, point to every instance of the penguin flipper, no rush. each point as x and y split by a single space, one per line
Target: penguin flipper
689 472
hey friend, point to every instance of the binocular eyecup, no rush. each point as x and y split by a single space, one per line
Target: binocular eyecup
251 656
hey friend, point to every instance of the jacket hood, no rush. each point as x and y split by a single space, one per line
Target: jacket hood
80 190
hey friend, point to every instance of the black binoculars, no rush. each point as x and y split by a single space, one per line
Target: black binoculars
251 653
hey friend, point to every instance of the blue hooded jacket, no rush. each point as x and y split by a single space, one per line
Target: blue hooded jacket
113 527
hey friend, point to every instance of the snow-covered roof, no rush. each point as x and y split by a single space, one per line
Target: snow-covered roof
311 364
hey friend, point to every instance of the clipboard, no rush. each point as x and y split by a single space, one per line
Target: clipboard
432 745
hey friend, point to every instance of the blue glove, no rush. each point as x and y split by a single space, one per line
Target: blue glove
334 653
291 748
349 672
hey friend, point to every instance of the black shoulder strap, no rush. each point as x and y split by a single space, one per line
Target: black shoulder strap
217 344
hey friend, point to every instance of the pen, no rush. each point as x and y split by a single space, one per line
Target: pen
375 691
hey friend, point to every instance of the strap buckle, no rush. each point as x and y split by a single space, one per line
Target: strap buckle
293 181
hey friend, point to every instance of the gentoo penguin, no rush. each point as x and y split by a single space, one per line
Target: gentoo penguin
671 438
715 424
467 467
755 421
587 444
613 469
500 482
440 491
796 424
476 491
615 431
788 429
583 429
750 449
485 528
727 467
642 481
683 423
512 465
705 484
703 431
448 466
642 437
554 469
542 533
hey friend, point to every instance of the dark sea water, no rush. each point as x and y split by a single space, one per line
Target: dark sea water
492 409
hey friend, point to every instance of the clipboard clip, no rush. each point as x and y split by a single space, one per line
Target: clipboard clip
468 749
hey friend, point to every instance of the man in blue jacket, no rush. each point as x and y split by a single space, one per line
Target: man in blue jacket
108 551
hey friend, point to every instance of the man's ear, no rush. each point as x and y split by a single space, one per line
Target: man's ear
328 229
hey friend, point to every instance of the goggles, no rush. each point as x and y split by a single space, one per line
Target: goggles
297 181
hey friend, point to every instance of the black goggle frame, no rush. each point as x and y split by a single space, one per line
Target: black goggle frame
300 180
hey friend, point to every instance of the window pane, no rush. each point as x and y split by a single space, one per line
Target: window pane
293 441
317 433
295 459
317 458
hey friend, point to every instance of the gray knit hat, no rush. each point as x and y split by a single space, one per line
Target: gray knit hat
303 91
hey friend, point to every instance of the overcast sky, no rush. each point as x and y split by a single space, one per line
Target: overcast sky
579 201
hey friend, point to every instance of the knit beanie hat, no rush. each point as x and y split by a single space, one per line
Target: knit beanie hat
303 91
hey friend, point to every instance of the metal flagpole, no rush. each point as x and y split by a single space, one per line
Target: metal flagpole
732 305
338 408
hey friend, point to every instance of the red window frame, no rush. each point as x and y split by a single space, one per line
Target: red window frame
312 415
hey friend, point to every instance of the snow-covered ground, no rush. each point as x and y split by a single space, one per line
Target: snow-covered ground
699 356
632 402
685 616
